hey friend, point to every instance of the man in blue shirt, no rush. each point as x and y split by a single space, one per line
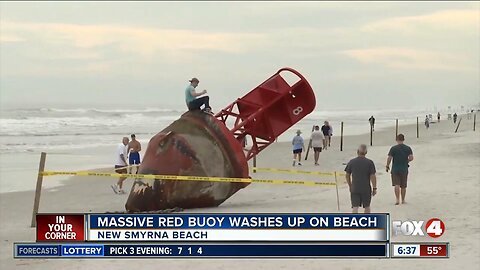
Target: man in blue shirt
194 103
298 147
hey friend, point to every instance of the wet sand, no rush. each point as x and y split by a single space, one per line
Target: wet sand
443 183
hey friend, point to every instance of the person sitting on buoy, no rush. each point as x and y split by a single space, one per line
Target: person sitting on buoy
194 103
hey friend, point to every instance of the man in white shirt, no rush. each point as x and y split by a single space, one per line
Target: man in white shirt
317 143
121 165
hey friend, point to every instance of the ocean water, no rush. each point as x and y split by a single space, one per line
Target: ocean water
85 138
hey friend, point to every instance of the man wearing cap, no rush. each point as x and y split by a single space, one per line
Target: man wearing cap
298 147
402 155
360 173
194 103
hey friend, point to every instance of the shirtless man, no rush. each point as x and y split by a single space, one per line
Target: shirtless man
134 147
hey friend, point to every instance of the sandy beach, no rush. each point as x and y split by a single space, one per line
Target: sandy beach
443 183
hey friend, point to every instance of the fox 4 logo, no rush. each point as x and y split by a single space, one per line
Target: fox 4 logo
434 227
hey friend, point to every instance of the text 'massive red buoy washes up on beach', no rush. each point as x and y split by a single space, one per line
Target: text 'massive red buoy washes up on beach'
200 144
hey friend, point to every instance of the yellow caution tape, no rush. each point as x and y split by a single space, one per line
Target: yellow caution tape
297 171
193 178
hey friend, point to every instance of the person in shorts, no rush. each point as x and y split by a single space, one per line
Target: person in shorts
298 147
326 133
317 143
133 150
330 134
360 172
121 165
402 155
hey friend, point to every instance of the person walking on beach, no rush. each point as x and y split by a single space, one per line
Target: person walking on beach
298 147
401 154
317 139
194 103
330 134
121 165
360 172
372 122
326 133
427 122
133 150
438 117
454 118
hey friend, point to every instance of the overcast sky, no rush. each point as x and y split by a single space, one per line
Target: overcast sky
141 54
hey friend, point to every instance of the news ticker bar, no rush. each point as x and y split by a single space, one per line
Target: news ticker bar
237 250
213 227
37 250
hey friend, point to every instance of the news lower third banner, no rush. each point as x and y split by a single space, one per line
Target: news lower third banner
88 250
213 227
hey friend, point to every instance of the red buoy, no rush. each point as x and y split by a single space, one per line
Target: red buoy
199 144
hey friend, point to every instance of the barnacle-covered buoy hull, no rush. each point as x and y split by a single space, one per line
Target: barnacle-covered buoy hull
197 144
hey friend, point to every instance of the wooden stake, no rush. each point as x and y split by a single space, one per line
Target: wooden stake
38 190
417 128
309 144
459 121
341 137
396 128
474 120
371 135
336 186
